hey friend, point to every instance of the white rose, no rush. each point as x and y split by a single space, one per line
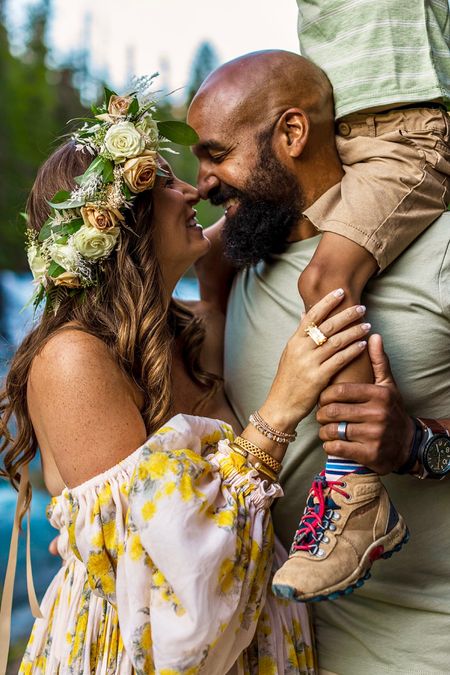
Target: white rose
148 128
123 140
37 263
94 244
64 255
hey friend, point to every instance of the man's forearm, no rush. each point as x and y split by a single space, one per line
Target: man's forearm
215 274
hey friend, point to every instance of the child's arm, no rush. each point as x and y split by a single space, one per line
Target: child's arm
214 272
340 263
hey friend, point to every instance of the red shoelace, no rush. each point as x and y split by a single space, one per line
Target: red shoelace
317 516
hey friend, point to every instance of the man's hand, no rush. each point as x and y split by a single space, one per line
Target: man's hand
214 272
379 430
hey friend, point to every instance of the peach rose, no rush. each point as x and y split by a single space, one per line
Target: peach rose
101 218
139 173
118 105
68 279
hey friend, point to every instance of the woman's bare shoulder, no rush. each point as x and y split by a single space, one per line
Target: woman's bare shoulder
82 405
70 351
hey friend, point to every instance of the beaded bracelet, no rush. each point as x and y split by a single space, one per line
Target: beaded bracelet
266 430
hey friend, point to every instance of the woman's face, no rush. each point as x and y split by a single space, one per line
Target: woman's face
179 239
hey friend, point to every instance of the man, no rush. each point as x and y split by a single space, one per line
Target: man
267 152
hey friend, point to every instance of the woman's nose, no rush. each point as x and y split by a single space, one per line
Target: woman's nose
192 194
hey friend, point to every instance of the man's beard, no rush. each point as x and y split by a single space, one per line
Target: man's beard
268 209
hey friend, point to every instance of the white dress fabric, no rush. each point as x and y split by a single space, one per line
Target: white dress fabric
167 558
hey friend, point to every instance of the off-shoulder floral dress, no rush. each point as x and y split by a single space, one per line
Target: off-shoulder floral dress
166 562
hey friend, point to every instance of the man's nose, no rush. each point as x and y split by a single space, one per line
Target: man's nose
206 181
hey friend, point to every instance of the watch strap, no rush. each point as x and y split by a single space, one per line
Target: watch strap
414 449
435 426
431 428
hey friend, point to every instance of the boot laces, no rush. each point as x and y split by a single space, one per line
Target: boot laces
318 514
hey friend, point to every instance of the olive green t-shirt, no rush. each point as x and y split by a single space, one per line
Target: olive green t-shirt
399 622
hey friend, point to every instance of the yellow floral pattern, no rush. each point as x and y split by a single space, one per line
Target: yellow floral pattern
167 559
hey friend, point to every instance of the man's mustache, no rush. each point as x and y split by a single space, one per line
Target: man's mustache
222 193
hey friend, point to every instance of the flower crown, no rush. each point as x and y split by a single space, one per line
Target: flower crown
84 226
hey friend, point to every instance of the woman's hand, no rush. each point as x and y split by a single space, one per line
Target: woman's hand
305 368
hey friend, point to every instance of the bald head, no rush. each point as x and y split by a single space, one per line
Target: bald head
266 146
256 88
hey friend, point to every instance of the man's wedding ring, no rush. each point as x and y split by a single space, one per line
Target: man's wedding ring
342 431
316 334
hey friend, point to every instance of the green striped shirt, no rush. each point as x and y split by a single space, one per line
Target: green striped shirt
378 52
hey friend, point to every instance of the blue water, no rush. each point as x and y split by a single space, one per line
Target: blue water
16 289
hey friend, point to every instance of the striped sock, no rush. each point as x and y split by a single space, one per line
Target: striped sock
336 467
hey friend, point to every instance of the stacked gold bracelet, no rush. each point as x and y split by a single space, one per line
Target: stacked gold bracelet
269 432
266 464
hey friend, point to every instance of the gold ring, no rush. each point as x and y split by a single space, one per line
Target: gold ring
316 334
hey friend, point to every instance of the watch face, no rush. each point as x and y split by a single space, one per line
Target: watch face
437 455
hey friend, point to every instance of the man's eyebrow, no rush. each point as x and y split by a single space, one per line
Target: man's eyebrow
207 146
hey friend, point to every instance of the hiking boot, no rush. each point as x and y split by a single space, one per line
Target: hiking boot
347 525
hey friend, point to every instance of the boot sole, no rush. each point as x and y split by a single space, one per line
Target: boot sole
291 593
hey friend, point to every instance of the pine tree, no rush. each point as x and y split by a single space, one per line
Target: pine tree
35 104
204 62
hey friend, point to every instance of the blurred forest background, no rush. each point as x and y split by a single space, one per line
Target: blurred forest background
38 97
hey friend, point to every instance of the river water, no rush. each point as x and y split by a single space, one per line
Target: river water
15 322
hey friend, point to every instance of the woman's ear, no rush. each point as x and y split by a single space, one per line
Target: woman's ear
291 132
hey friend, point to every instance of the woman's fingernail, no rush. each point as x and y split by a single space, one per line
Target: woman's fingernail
361 309
362 344
339 292
366 326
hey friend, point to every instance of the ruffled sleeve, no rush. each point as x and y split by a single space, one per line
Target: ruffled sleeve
187 563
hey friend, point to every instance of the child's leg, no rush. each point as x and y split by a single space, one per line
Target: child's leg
396 182
340 263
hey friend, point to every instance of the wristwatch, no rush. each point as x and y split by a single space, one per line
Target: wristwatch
434 450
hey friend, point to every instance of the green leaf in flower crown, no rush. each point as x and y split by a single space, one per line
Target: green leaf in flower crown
55 270
71 227
48 227
40 295
108 94
178 132
134 107
69 204
126 191
60 196
62 200
108 171
96 166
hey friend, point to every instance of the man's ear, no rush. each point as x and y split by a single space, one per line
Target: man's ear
291 132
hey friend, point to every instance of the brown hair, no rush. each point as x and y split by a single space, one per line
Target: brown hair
126 310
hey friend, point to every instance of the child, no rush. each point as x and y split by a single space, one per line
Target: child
389 64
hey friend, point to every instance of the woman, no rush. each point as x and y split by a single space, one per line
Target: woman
166 537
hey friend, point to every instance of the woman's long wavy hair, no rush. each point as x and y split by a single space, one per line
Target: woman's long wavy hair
126 310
